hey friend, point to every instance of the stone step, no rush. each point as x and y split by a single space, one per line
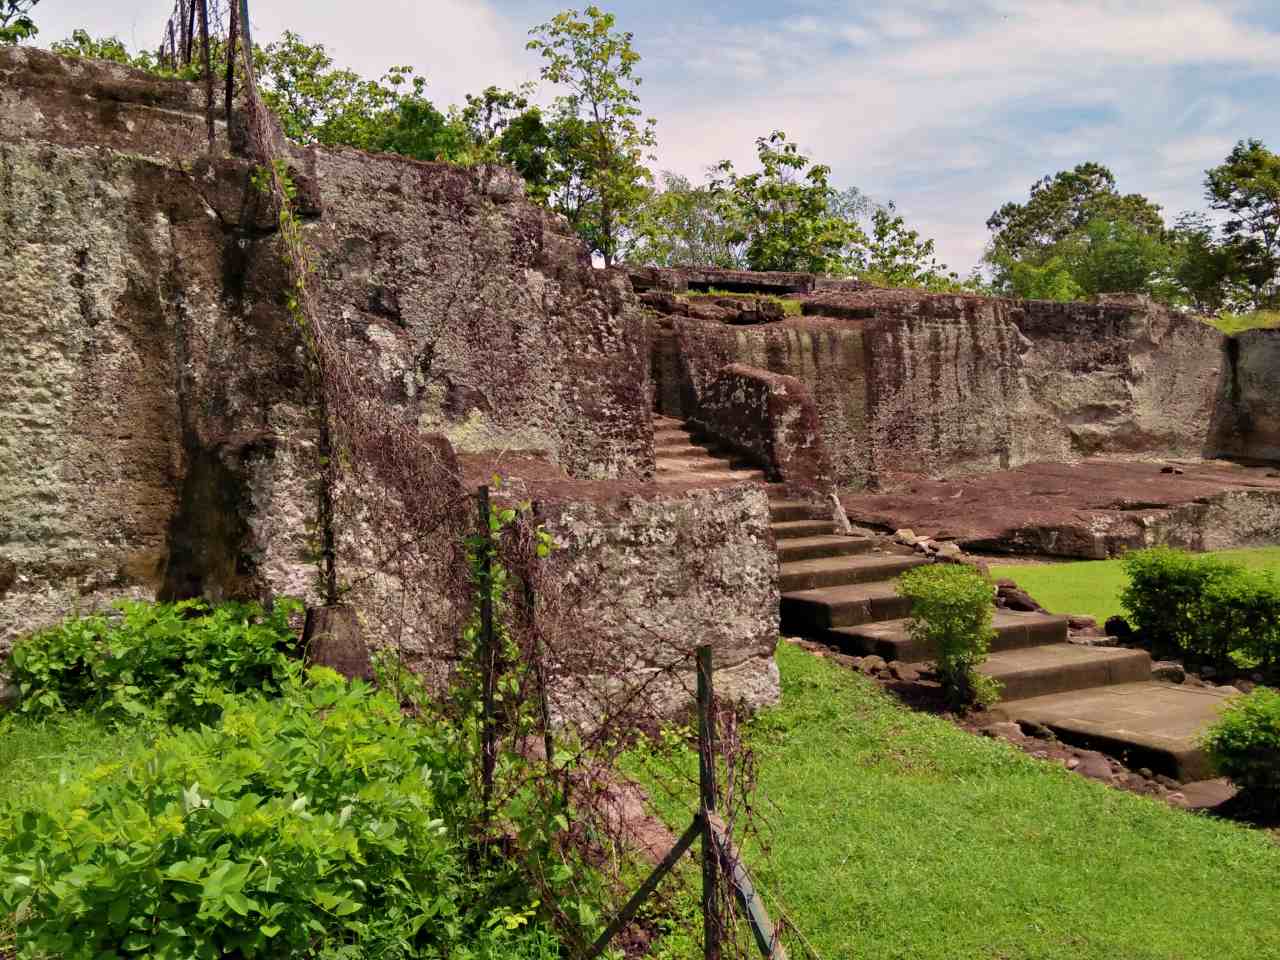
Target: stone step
811 548
835 571
1145 723
703 462
1061 667
719 476
786 529
892 640
682 451
781 511
666 435
811 612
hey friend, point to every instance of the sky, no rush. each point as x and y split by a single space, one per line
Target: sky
946 108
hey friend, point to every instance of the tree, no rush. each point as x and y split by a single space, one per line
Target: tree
1246 187
601 140
1202 266
81 44
897 256
16 24
787 215
684 225
1077 221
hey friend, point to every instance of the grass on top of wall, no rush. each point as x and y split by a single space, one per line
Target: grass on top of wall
1092 587
896 834
1233 323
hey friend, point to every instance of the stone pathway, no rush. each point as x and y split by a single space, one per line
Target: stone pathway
840 591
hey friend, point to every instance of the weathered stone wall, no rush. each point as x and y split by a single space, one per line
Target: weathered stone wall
824 355
653 574
157 434
909 384
1249 418
767 416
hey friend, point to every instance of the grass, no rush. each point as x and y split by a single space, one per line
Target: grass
37 752
790 308
1092 587
1233 323
896 834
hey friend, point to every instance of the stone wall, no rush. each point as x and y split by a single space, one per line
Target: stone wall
1249 420
655 572
909 384
157 433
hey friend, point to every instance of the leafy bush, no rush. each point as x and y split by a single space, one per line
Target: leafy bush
1203 605
951 610
164 660
1245 745
321 824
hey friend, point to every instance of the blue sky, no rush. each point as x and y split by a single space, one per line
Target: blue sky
947 108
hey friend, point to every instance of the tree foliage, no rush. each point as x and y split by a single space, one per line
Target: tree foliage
1246 187
16 23
601 139
684 225
785 214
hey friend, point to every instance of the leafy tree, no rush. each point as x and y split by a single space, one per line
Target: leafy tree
1246 187
1077 235
600 139
787 215
897 256
16 24
1202 266
503 126
684 225
81 44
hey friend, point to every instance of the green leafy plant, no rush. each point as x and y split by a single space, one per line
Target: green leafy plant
951 611
1203 605
166 661
16 24
322 824
1244 745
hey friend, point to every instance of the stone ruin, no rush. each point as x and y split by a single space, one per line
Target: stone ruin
156 430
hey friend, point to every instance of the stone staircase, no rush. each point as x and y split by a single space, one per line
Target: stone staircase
840 590
684 454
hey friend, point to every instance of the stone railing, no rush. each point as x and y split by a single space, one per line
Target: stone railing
770 417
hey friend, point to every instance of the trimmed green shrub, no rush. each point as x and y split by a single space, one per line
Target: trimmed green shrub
951 610
1164 591
1244 745
161 660
320 824
1202 605
1239 614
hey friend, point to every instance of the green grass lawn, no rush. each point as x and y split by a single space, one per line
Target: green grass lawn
896 834
1092 587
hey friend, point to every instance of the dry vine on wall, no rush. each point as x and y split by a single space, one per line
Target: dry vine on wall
552 706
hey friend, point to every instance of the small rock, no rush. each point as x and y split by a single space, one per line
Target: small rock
1229 689
903 671
9 695
1019 600
855 663
872 665
1118 627
1245 686
1172 469
1208 673
949 550
1145 772
844 660
1082 623
1003 731
1073 762
1168 782
905 536
1037 730
1096 768
1169 671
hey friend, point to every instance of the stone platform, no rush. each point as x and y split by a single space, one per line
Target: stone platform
1091 509
1146 723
